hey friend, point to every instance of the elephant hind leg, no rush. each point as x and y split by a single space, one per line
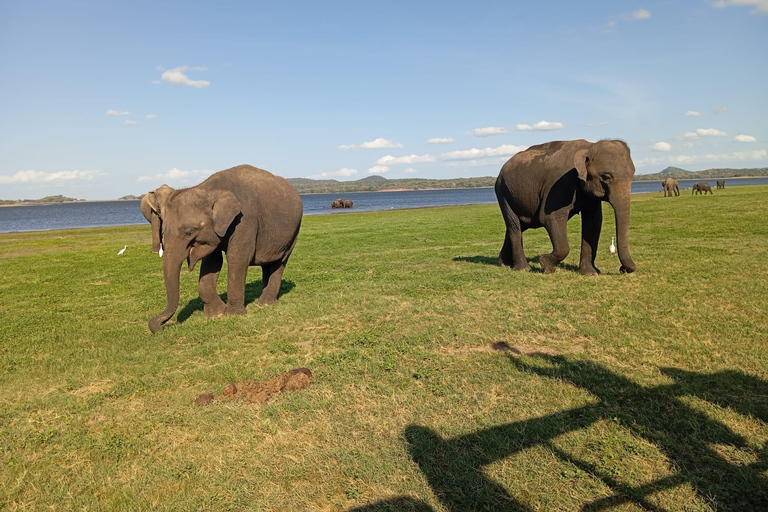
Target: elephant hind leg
512 254
272 278
558 234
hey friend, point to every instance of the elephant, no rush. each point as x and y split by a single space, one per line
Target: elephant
720 184
701 188
671 185
338 203
547 184
347 203
247 213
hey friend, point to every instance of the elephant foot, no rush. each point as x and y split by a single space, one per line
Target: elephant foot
588 270
267 301
522 267
548 263
214 310
235 310
627 270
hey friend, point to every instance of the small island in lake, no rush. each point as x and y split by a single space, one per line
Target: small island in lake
45 200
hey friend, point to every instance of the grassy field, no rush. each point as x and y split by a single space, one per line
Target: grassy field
442 382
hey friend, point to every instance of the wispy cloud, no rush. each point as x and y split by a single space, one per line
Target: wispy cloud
379 143
540 126
720 109
344 171
704 132
638 15
130 123
489 131
408 159
112 112
176 76
759 6
378 169
411 170
476 153
440 140
667 160
151 116
693 113
177 176
744 138
662 146
759 154
32 176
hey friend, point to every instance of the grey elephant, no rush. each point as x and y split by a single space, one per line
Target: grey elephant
546 185
720 184
671 186
347 203
338 203
247 213
701 188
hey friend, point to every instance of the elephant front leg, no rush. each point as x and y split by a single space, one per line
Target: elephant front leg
591 224
210 268
558 234
237 272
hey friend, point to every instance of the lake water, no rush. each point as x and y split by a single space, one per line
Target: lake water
119 213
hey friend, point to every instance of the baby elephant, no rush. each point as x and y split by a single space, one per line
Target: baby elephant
720 184
701 188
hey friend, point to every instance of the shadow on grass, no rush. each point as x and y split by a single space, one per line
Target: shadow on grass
534 262
252 293
454 467
399 504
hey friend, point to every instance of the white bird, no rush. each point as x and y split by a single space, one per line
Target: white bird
161 251
122 251
612 248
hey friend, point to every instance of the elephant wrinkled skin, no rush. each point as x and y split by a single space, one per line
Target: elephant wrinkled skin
248 214
546 185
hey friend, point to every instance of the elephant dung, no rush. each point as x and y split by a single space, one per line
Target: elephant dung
259 392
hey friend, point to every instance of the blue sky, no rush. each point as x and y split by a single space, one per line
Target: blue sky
102 99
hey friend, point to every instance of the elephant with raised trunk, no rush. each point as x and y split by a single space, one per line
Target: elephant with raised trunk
546 185
248 214
701 188
671 186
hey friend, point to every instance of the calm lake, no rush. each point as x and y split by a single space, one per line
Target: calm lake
119 213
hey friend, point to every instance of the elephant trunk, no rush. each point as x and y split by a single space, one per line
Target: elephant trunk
171 271
621 211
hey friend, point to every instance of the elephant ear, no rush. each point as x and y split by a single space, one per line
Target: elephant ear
151 213
581 163
226 208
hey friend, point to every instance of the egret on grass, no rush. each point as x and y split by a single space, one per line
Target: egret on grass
120 253
612 248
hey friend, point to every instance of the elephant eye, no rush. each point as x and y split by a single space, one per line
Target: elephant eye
189 232
605 177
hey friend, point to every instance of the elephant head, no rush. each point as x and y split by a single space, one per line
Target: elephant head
605 172
193 223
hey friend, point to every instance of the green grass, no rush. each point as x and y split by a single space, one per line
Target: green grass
442 381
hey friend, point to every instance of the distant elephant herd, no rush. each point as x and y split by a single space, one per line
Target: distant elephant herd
672 186
254 217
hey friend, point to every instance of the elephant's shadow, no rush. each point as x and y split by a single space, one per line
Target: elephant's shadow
252 293
533 262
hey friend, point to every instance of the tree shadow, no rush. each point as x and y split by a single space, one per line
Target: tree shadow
534 262
685 435
398 504
252 293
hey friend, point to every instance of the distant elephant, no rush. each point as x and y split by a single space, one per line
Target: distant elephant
249 214
720 184
547 184
671 185
347 203
338 203
701 188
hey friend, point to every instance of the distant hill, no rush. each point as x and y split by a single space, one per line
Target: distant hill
682 174
380 183
44 200
130 197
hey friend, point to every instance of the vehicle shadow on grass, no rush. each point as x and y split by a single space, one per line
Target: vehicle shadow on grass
494 261
686 436
252 293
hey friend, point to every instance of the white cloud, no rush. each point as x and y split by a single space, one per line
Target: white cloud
151 116
344 171
739 155
411 170
408 159
640 14
667 160
379 143
440 140
488 131
475 153
662 146
32 176
130 123
540 126
378 169
693 113
177 176
704 132
176 76
112 112
760 6
156 82
744 138
720 109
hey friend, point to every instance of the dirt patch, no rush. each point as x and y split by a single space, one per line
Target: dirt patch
259 392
